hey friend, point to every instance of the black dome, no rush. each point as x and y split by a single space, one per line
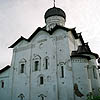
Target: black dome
54 11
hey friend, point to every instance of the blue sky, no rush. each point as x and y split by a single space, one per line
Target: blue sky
22 17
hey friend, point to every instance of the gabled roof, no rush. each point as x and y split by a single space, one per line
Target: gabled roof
66 29
19 40
22 38
76 36
37 30
4 69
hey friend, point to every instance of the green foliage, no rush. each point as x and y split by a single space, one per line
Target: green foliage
96 98
90 96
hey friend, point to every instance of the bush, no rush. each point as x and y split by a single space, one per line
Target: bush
90 96
96 98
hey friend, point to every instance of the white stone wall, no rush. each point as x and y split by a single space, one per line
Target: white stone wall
80 76
94 73
61 75
5 93
54 47
44 47
20 81
65 84
73 43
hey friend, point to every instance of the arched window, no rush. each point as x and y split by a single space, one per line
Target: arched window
46 62
41 80
22 66
42 96
36 63
62 71
21 96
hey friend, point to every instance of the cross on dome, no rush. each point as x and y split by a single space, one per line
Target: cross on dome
54 3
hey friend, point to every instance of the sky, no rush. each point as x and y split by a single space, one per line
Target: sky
23 17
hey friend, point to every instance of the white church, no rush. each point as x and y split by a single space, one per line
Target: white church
54 63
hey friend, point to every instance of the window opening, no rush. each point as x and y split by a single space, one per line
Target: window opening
36 65
41 80
62 71
22 68
46 63
2 84
21 96
42 98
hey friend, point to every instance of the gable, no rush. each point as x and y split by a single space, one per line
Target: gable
19 41
41 36
43 30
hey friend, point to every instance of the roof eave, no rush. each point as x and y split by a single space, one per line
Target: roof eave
4 69
81 56
18 41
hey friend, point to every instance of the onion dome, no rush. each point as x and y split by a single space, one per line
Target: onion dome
54 12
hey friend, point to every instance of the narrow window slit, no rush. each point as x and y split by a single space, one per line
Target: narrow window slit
46 63
41 80
36 65
62 71
2 84
22 68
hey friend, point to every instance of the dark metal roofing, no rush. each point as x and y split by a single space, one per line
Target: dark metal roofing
50 32
81 38
81 56
4 69
55 11
19 40
84 49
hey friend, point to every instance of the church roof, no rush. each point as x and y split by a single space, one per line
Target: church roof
22 38
4 69
76 36
84 49
19 40
54 11
78 55
81 38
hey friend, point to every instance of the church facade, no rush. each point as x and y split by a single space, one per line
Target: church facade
54 63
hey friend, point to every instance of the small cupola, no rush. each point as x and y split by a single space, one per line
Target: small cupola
54 16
